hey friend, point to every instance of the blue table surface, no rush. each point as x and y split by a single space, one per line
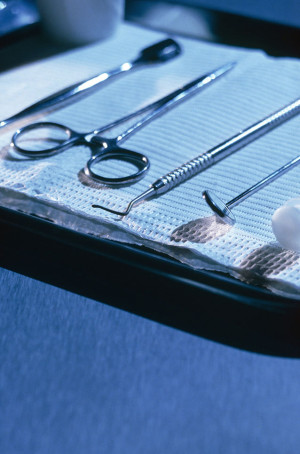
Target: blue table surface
78 376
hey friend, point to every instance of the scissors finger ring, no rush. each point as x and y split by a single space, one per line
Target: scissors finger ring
45 138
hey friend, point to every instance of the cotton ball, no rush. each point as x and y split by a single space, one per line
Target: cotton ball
293 202
286 225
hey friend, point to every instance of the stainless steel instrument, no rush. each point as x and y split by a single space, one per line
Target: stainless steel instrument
223 210
157 53
30 140
211 157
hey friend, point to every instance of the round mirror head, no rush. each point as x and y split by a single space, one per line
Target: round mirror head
219 207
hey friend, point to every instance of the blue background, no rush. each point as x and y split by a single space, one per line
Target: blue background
78 376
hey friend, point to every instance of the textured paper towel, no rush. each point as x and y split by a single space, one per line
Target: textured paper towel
178 222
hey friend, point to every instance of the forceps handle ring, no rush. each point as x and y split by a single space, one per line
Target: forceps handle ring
138 160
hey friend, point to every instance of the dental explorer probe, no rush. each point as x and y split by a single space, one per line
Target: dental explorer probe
211 157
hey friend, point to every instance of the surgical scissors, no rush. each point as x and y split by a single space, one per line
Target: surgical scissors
26 142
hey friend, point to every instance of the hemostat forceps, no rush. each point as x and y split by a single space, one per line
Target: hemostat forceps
28 142
206 160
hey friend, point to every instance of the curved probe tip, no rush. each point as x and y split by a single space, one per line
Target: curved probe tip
118 213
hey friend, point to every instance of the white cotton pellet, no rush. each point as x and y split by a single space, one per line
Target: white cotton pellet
286 225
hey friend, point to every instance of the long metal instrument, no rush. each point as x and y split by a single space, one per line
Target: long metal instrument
104 149
211 157
223 210
157 53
